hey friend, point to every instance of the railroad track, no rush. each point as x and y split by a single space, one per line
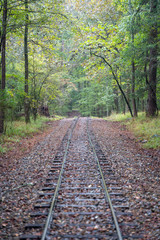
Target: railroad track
75 202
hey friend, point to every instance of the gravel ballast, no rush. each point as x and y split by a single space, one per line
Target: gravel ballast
24 170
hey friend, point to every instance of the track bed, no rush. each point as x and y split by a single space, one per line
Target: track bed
88 187
76 203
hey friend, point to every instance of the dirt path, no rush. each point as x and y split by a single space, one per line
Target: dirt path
136 168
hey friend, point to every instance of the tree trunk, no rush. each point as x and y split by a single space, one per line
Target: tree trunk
143 105
132 31
116 102
152 109
26 101
35 113
3 67
125 98
35 103
133 90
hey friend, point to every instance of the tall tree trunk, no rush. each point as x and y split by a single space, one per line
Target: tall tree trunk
133 62
133 90
142 105
3 67
125 98
116 102
152 109
35 103
26 101
145 68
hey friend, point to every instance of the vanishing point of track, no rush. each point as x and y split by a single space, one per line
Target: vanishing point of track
75 202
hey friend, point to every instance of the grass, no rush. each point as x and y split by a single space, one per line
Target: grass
2 149
17 130
147 130
119 117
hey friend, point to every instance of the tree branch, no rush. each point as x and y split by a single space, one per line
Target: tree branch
115 77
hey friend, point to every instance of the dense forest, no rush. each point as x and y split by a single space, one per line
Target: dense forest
92 56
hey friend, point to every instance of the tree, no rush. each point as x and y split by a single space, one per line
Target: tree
152 109
3 66
132 32
26 90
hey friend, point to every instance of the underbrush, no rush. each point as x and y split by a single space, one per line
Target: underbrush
16 130
147 130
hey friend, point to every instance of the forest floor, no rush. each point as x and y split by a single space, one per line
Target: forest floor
23 171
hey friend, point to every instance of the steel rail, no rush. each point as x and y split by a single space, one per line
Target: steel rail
105 187
54 198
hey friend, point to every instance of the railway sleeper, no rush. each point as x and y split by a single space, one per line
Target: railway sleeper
76 205
83 194
110 177
78 214
119 200
35 225
90 199
118 213
48 188
79 183
83 225
128 224
57 161
50 184
55 166
44 200
42 206
38 214
116 193
76 188
121 206
130 237
50 179
55 171
115 188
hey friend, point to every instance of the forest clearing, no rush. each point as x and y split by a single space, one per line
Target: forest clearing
79 119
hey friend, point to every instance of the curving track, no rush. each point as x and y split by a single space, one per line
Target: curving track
75 203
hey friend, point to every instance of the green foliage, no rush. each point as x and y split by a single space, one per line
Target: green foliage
45 21
95 100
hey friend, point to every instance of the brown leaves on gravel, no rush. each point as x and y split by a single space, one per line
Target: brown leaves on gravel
23 172
138 173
